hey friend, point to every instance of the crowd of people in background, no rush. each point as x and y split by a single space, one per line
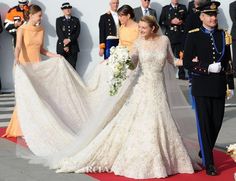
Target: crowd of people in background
176 20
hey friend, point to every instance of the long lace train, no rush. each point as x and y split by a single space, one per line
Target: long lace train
73 126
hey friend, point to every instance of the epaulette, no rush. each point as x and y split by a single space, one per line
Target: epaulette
194 30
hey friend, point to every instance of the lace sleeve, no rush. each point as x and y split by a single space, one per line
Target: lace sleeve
134 54
170 55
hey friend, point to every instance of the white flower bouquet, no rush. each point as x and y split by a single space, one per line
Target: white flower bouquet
120 62
231 150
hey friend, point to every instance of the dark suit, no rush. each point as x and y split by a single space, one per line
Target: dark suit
107 27
174 32
208 89
232 12
68 29
191 7
138 13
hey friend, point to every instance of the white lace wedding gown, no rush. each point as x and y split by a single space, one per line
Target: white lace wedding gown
142 140
139 140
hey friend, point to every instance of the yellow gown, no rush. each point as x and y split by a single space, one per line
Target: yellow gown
30 53
127 36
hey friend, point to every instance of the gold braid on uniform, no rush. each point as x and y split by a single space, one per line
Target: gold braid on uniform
194 30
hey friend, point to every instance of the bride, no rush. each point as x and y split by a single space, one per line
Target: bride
131 134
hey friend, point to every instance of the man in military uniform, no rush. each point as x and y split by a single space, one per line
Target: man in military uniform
108 26
192 21
172 19
232 12
192 6
68 30
207 56
15 18
144 10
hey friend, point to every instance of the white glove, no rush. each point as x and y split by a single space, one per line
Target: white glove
230 94
214 67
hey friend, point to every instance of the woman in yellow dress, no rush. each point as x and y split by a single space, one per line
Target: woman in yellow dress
29 46
128 31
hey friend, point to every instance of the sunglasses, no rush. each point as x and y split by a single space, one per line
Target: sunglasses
147 0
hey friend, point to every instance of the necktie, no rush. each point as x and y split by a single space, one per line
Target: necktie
145 11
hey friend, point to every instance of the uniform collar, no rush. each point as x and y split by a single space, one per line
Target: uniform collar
67 17
173 6
207 31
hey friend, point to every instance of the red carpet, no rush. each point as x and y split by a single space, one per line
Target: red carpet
15 140
225 165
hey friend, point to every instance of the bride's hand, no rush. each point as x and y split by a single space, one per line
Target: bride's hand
16 62
58 55
103 61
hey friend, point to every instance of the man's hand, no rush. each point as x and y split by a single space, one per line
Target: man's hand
66 49
176 21
18 23
101 52
195 59
180 22
214 67
229 94
66 41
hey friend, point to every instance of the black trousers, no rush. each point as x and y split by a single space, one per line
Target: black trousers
71 57
176 48
209 116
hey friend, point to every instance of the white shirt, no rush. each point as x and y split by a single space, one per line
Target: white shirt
115 17
143 10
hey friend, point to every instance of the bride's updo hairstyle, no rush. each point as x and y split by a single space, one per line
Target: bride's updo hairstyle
33 9
151 21
125 10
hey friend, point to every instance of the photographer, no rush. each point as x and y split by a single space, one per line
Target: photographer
15 18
